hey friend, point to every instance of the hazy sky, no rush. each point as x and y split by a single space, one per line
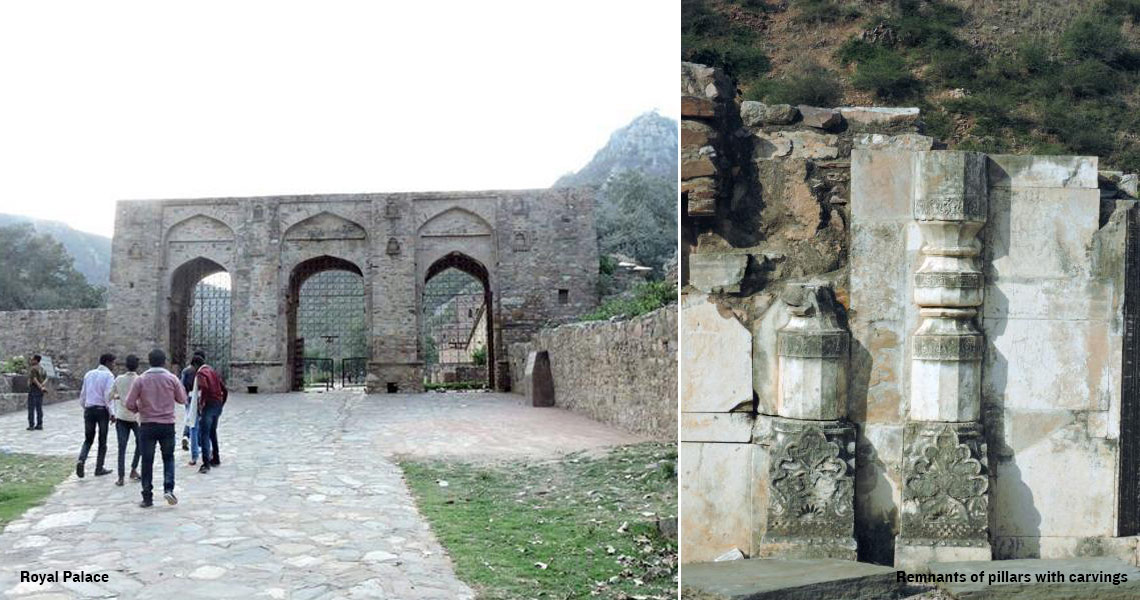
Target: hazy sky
111 100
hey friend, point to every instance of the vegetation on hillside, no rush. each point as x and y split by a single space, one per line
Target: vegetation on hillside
981 86
37 273
643 298
92 252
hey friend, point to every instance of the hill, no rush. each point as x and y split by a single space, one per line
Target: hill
1042 77
91 252
635 175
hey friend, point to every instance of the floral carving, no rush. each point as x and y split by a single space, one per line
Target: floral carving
809 480
947 485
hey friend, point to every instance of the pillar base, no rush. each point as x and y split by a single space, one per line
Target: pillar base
810 483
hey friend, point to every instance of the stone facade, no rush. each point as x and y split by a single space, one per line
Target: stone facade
535 251
990 380
623 373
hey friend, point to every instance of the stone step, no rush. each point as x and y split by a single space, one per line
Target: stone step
1005 572
789 579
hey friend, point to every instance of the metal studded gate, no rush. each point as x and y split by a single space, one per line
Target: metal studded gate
210 321
1129 492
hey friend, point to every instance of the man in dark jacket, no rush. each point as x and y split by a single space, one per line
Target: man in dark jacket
212 395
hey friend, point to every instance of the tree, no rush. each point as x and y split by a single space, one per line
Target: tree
638 218
37 273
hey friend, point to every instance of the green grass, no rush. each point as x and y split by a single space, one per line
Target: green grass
26 479
576 527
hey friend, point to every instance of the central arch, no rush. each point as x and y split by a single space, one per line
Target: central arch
305 272
200 312
479 316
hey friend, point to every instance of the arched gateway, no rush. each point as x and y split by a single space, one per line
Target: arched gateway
533 251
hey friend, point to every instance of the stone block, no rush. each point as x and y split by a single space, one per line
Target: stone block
911 142
717 273
1052 479
1121 580
881 186
1008 170
758 114
878 116
1040 233
1050 377
716 491
950 186
698 167
820 118
879 266
788 579
695 135
716 427
706 82
697 108
716 358
539 380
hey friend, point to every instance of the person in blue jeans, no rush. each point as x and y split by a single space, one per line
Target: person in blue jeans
212 395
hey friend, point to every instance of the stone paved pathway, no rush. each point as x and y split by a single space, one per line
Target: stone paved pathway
307 502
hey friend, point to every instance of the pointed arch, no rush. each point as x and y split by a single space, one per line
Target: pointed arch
455 221
325 225
200 228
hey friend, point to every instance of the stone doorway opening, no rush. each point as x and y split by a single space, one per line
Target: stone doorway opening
327 321
456 341
201 314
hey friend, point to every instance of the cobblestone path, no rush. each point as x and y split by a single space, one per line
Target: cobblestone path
307 502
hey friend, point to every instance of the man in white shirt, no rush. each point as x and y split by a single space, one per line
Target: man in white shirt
94 396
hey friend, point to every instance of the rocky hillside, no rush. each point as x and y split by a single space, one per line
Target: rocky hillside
635 174
1026 76
91 252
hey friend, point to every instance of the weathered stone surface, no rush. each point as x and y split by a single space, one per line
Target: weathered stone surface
758 114
702 166
706 82
622 373
538 380
695 134
716 427
700 195
911 142
820 118
717 273
1118 581
791 579
697 108
810 504
812 350
716 491
875 115
950 186
1007 170
795 144
710 336
945 499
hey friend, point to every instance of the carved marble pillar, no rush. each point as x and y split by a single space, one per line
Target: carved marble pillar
811 447
945 480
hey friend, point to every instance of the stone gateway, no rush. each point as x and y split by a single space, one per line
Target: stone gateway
534 251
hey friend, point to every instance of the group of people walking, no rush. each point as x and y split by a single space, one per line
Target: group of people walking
145 404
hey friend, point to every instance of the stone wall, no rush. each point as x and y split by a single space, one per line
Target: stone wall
623 373
992 326
73 339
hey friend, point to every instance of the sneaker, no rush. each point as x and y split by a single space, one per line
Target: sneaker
146 504
79 469
192 462
185 443
30 428
119 482
39 427
134 474
205 468
215 462
101 472
171 499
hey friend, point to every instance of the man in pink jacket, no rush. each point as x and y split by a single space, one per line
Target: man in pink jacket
154 396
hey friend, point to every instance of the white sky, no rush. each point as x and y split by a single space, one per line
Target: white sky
101 101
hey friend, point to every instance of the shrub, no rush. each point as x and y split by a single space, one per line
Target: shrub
1088 79
1094 37
16 364
1129 8
479 356
824 11
814 86
647 297
1033 57
739 59
953 66
887 76
856 50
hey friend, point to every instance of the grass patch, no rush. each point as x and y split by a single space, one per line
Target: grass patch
808 84
646 297
26 479
575 527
